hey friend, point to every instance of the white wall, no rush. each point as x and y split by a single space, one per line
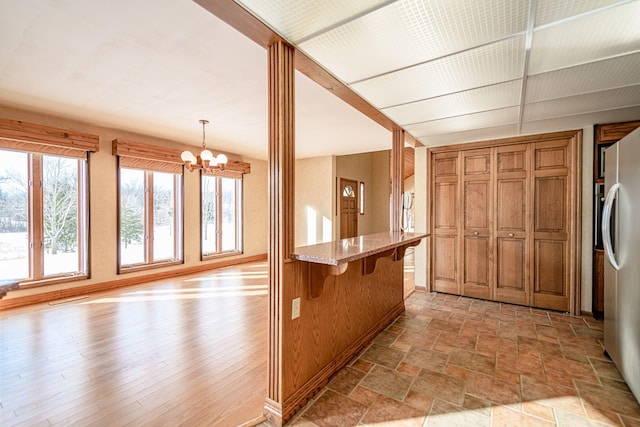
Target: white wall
315 196
372 169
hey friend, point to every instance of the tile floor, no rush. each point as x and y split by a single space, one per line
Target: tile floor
456 361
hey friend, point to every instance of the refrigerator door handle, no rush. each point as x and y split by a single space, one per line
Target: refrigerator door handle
606 224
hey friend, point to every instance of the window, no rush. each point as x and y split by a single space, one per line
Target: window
150 222
221 215
43 216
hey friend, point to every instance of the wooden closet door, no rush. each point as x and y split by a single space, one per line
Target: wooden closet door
552 205
511 224
445 229
476 223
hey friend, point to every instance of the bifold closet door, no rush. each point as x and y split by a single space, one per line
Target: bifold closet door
476 221
445 230
512 224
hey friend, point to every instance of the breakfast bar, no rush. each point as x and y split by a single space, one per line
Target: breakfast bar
345 293
333 258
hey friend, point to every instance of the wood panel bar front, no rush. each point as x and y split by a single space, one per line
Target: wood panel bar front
336 324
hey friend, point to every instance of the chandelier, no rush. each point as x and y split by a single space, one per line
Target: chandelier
206 160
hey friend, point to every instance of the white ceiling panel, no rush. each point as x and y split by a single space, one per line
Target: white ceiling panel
503 116
298 19
548 11
408 32
595 36
486 65
470 135
592 77
581 104
470 101
581 120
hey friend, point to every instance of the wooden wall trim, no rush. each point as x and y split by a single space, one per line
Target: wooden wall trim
613 132
397 178
504 141
137 150
6 304
17 130
281 177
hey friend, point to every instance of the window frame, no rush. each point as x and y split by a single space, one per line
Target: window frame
148 218
36 221
238 212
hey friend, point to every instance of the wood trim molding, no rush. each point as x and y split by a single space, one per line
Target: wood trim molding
16 130
615 131
397 179
120 283
281 178
137 150
504 141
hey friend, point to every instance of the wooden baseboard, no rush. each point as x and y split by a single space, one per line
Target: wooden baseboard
120 283
307 391
586 313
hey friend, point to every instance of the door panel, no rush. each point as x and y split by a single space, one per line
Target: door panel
445 273
476 223
511 260
512 217
553 226
476 267
476 204
348 208
445 205
550 204
511 204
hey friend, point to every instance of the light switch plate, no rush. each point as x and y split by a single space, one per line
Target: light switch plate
295 308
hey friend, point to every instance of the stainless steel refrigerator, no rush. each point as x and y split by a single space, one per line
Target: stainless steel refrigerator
621 235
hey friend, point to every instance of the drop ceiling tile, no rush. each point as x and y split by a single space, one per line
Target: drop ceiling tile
409 32
581 104
470 101
486 65
472 135
582 120
592 37
503 116
596 76
298 19
548 11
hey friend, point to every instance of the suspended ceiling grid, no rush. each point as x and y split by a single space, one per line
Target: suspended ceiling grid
463 70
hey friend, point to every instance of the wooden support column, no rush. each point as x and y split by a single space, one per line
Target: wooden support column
397 179
281 165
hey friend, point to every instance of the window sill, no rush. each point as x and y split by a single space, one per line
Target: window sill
28 284
142 267
208 257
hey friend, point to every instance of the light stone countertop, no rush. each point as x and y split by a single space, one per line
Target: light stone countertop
351 249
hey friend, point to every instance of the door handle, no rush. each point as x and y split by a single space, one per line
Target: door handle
475 233
510 234
606 225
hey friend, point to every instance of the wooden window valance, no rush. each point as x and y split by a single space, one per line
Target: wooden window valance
35 138
149 157
233 169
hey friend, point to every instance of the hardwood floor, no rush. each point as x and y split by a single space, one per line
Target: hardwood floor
191 351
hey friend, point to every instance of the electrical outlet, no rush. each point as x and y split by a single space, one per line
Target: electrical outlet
295 308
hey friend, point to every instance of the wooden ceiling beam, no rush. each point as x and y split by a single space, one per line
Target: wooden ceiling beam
246 23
